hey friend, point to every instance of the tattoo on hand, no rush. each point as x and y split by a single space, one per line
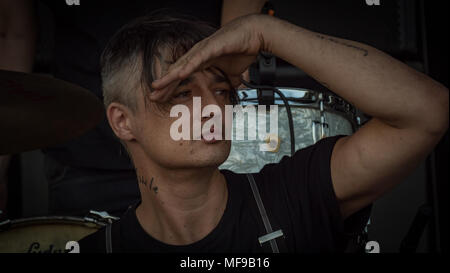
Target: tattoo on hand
365 51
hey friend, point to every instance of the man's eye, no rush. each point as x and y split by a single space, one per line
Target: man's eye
183 94
221 92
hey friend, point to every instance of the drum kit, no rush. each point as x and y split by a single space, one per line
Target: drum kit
315 116
38 111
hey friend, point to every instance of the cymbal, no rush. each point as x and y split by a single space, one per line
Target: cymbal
39 111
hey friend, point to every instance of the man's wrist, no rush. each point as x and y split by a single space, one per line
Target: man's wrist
262 26
271 30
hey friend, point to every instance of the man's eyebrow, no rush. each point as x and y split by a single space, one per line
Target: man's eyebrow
185 81
217 78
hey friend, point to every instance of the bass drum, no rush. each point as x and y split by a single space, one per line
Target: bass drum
45 234
315 115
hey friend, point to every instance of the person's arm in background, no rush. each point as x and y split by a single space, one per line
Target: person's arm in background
18 33
232 9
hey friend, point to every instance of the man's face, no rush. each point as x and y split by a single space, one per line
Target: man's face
154 124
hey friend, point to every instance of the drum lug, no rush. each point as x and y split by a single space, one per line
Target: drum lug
322 122
101 216
322 125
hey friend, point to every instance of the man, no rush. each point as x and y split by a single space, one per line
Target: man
188 204
92 171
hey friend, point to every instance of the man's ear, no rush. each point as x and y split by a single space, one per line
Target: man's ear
119 118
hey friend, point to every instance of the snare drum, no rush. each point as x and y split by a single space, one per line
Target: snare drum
45 234
315 115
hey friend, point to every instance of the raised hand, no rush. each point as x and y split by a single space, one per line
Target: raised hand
232 49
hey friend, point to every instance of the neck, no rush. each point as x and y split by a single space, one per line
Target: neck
180 206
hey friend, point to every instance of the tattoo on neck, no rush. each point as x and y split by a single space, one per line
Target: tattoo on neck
143 181
155 189
365 51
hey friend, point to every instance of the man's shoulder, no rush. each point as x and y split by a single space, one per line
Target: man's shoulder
318 153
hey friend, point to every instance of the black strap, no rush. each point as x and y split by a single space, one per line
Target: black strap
271 235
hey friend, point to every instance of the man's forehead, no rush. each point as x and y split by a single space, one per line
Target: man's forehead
213 73
163 59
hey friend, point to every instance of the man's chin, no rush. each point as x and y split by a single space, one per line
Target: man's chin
212 154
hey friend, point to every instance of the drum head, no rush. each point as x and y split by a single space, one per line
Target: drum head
44 234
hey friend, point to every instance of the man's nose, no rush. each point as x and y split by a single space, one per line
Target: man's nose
209 98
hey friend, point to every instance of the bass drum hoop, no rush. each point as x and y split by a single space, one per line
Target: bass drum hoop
306 98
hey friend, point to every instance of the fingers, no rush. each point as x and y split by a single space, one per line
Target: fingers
164 94
197 57
174 70
161 83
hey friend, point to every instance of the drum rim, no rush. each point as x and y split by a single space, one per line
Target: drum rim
350 115
317 93
21 222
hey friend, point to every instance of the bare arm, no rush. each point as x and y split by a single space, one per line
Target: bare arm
409 109
232 9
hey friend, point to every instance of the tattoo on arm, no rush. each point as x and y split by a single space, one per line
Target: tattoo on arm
365 51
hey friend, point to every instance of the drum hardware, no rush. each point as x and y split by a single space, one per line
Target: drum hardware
274 142
267 69
323 125
102 216
286 104
54 234
49 234
314 114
